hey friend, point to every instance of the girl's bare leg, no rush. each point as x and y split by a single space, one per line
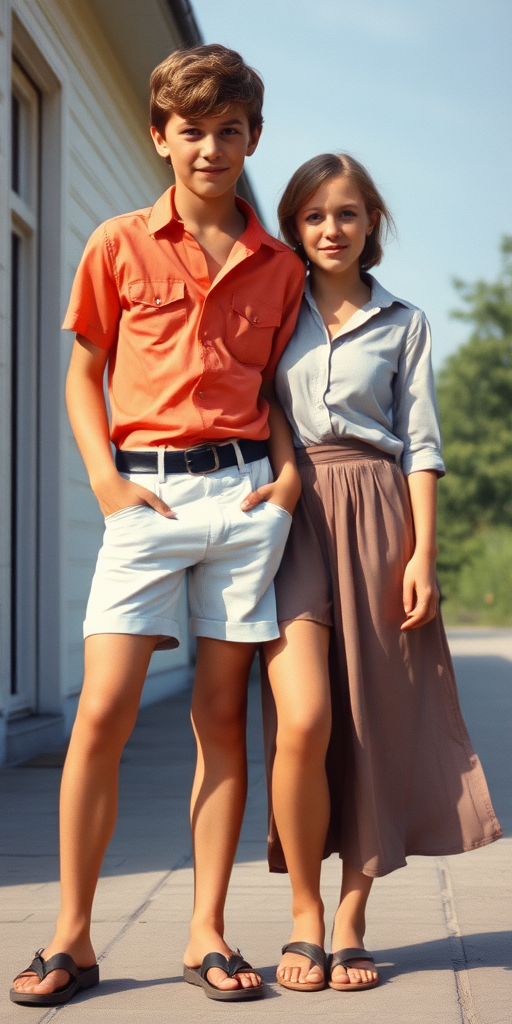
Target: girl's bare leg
219 715
115 670
350 924
298 672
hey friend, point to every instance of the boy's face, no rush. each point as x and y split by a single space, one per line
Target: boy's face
207 154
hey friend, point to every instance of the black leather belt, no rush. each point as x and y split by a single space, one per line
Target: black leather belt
206 458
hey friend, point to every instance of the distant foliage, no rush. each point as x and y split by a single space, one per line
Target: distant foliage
475 403
482 591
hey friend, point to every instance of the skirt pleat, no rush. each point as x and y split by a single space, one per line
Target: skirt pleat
403 776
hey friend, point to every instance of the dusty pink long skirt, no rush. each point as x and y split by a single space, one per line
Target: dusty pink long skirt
403 776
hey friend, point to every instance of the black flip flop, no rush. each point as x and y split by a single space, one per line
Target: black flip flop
80 978
343 958
317 956
235 965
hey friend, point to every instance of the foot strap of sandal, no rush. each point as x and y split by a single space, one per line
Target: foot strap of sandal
350 953
42 967
235 965
315 953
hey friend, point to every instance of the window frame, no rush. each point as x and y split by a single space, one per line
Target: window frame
24 202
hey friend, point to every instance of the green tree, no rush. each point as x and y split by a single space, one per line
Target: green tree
475 405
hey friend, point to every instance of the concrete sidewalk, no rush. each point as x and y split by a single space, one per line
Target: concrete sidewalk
440 929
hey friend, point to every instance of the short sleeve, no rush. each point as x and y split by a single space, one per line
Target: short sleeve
294 291
415 419
94 307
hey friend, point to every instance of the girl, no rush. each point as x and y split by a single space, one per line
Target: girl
372 758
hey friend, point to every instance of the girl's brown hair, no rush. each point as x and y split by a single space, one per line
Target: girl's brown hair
308 178
202 81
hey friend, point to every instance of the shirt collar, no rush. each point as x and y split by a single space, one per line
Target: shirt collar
380 298
163 215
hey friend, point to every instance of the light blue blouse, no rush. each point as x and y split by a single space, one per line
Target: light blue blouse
374 380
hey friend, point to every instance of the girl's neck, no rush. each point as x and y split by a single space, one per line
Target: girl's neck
338 297
338 289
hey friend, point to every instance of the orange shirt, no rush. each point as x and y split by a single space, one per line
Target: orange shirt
186 357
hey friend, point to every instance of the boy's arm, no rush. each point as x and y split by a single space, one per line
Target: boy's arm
286 488
89 421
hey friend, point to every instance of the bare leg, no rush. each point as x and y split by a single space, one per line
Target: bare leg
115 669
219 713
298 673
350 924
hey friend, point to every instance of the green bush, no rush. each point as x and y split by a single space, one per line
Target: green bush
482 592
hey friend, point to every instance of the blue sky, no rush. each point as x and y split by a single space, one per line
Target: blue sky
420 93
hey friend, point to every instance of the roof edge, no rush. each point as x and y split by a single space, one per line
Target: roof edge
183 15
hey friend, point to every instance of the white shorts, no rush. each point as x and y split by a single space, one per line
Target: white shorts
232 557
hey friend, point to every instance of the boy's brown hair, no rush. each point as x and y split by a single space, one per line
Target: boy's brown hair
202 81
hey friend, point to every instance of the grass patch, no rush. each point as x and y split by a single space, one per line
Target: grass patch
482 593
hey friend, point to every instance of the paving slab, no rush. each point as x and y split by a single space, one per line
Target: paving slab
440 928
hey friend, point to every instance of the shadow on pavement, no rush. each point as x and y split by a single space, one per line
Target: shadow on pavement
485 691
491 950
482 949
157 771
114 985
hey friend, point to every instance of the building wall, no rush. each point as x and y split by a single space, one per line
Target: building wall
97 161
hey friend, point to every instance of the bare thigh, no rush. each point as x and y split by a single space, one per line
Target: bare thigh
298 671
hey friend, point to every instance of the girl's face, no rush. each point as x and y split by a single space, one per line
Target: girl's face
333 226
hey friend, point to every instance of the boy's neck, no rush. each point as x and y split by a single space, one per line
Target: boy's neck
207 216
216 223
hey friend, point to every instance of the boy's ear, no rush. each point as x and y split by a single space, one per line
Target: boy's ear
254 138
159 142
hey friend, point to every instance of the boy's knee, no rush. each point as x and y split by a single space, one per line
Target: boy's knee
219 716
99 723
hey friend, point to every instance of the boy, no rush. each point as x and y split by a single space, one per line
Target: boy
191 304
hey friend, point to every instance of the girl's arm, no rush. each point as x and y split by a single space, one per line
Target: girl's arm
420 591
88 417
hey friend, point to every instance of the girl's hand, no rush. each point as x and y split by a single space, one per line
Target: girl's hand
117 493
420 592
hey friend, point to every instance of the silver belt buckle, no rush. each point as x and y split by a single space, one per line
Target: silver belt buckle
205 448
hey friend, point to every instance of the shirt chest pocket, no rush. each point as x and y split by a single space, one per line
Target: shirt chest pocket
158 307
250 330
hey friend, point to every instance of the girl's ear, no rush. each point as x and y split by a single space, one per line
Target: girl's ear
372 221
